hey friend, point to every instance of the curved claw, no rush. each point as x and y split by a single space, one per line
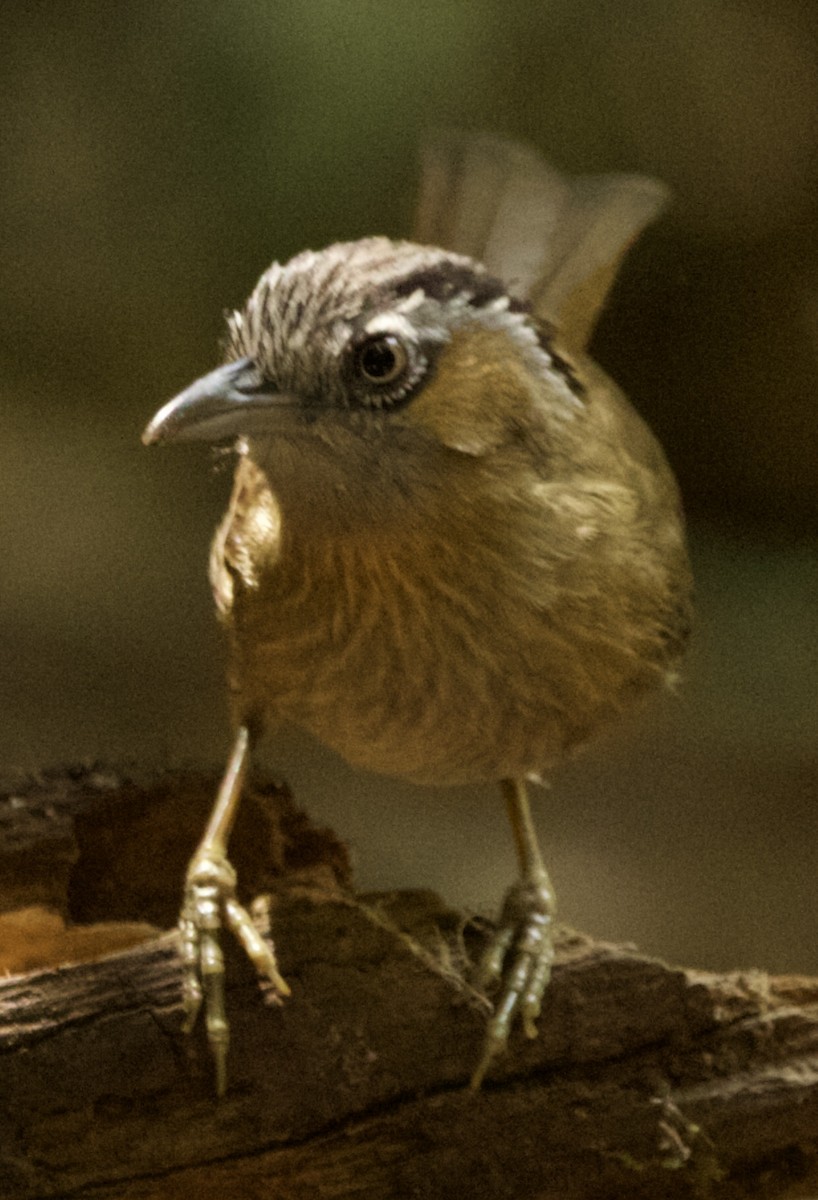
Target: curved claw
261 953
209 904
525 937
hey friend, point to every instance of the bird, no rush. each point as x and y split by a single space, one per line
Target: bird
453 551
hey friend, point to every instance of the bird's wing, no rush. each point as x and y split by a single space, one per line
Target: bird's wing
248 539
556 241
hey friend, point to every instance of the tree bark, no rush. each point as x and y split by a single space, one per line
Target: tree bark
646 1080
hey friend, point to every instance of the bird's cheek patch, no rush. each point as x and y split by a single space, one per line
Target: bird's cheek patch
475 392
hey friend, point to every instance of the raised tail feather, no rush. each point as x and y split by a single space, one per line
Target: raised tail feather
556 241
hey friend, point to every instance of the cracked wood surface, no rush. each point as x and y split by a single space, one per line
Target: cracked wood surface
646 1080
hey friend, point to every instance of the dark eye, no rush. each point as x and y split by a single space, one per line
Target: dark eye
381 359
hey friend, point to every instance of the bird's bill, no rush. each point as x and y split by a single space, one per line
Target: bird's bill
224 404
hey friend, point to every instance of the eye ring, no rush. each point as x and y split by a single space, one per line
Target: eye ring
381 359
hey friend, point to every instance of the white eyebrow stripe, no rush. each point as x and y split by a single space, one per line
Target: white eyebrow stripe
412 301
390 322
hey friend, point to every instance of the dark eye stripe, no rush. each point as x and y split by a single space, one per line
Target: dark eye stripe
564 367
444 280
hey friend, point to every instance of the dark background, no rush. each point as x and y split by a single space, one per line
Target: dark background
156 157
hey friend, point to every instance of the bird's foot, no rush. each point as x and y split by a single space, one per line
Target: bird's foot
518 959
209 904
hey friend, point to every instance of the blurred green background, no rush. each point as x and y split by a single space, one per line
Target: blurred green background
157 155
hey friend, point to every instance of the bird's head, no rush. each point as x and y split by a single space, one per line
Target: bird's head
375 343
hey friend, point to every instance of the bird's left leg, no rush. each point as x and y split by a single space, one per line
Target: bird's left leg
209 903
521 952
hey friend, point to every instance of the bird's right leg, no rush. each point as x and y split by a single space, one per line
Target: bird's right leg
521 952
209 903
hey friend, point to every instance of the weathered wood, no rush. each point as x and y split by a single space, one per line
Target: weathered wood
646 1081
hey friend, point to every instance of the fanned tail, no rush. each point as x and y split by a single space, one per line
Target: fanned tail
556 241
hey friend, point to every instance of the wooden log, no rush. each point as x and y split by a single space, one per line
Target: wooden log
645 1081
